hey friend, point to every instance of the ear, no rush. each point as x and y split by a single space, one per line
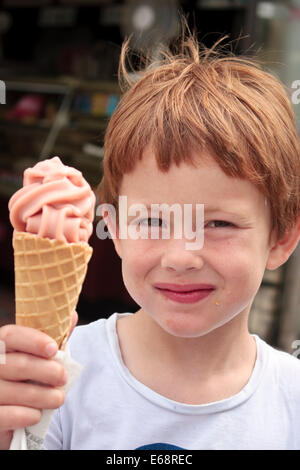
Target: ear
110 220
282 249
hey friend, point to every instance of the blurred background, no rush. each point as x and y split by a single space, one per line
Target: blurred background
58 67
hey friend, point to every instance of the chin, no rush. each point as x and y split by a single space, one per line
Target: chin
184 329
183 326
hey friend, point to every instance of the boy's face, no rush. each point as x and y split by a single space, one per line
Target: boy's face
232 260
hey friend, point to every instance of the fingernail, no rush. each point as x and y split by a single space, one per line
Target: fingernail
50 349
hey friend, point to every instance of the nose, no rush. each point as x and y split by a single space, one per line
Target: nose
177 258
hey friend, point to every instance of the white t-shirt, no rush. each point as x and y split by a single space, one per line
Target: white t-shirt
108 408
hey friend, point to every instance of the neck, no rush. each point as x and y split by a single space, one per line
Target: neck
225 349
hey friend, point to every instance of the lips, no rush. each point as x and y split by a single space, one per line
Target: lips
185 293
183 287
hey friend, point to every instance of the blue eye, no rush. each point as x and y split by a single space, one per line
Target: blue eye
220 224
153 222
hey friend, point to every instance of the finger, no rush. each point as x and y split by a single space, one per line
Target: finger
20 367
28 340
30 395
16 417
5 439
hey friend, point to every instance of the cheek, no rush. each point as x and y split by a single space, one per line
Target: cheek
240 280
137 261
241 262
135 268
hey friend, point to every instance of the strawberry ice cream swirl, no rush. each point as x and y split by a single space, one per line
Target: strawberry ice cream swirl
55 202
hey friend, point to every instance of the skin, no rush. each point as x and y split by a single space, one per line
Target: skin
28 358
199 352
194 354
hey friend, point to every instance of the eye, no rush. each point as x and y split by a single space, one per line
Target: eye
150 222
219 224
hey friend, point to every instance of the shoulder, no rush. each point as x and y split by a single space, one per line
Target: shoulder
285 370
88 341
285 360
93 340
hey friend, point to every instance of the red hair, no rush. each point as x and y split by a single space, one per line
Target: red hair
199 98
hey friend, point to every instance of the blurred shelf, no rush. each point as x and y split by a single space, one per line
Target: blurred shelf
35 86
18 126
70 122
40 84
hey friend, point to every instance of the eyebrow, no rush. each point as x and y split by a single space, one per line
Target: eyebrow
240 214
209 209
219 209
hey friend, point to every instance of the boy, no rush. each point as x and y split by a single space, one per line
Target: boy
183 372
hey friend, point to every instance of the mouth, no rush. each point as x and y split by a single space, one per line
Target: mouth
185 293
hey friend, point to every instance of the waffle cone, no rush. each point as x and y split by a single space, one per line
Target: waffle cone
48 280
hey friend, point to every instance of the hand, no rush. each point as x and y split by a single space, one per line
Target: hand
29 354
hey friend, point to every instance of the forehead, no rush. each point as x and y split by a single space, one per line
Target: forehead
205 184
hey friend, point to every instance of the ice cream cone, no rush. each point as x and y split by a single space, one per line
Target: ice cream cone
49 274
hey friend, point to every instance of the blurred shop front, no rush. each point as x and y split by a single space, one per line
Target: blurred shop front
59 61
277 39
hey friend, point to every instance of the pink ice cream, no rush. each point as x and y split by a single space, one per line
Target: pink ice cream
55 202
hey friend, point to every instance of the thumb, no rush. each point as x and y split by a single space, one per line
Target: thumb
74 321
